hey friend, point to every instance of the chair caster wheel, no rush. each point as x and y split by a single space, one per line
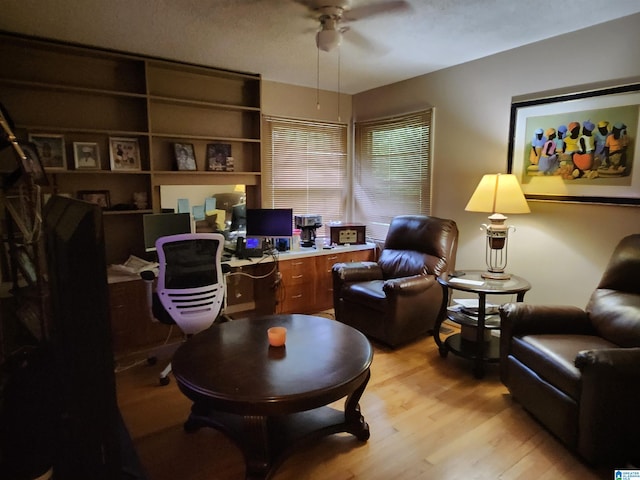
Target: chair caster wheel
164 381
152 360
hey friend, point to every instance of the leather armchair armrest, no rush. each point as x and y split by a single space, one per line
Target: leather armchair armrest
357 272
409 285
618 361
609 414
523 319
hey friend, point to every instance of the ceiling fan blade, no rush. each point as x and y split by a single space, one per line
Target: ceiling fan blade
384 7
365 43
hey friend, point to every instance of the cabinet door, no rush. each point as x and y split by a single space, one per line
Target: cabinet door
131 325
324 282
297 292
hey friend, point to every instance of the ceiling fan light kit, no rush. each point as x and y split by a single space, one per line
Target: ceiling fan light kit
328 38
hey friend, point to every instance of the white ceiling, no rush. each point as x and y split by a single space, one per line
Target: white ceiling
276 38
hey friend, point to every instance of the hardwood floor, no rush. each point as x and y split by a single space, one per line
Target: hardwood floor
429 419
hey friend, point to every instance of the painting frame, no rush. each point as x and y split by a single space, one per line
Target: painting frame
51 150
609 180
102 198
185 156
124 154
219 157
86 155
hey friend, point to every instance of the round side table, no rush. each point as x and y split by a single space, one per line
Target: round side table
484 347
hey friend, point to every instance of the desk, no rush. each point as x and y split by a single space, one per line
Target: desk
305 287
270 400
480 351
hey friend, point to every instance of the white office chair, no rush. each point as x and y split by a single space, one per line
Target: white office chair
190 285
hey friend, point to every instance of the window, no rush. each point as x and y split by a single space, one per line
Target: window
305 167
392 170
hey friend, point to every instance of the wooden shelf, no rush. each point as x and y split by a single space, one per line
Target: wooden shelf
90 95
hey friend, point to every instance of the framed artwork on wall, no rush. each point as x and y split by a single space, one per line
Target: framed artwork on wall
51 150
124 154
579 147
86 155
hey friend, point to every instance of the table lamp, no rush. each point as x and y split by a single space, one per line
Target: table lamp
497 194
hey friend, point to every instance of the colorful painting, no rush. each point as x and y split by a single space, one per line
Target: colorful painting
578 147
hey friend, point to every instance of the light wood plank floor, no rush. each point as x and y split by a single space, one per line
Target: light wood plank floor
429 419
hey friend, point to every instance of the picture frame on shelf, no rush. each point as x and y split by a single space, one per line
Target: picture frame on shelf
26 266
219 157
99 197
86 155
591 172
32 165
185 156
124 154
51 150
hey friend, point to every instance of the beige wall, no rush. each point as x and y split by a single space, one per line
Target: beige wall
291 101
560 248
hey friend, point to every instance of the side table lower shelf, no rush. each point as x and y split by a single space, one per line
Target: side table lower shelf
469 349
476 343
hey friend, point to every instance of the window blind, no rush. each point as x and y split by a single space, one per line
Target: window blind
392 170
305 167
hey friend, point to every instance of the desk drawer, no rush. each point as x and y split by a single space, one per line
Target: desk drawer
297 272
297 299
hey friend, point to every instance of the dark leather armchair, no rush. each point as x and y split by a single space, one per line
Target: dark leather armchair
397 299
578 371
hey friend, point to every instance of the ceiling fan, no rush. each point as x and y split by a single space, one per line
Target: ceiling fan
332 13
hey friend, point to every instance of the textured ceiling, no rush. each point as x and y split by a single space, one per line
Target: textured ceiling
276 38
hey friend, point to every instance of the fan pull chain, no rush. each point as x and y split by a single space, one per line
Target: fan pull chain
339 62
318 79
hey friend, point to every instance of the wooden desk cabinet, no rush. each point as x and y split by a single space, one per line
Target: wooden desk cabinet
305 287
306 282
131 325
296 293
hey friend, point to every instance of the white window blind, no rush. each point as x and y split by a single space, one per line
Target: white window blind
392 170
305 167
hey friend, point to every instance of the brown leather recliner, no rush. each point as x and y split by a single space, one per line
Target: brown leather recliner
578 371
397 299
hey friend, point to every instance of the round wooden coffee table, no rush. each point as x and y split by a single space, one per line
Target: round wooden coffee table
271 400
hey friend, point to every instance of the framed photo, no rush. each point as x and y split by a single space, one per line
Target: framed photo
51 150
31 164
124 154
185 156
219 157
26 266
86 156
578 147
99 197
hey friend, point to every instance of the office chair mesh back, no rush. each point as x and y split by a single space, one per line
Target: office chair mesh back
190 282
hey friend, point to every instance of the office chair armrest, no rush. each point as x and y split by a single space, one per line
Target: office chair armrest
412 285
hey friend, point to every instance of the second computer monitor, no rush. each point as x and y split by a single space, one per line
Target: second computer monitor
156 225
269 222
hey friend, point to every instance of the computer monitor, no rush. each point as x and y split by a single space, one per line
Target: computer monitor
156 225
269 222
238 217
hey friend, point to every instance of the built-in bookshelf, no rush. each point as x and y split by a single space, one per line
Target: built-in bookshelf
88 95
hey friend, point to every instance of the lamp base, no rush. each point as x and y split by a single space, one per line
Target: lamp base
496 275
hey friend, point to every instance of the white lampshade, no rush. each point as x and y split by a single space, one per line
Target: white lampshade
498 193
